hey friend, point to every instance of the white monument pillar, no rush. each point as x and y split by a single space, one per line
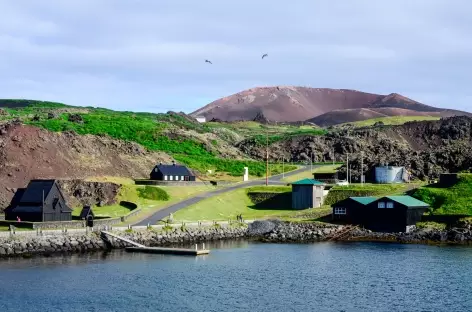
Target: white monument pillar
246 174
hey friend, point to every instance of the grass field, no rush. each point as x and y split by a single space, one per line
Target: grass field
309 174
392 120
130 192
229 205
456 199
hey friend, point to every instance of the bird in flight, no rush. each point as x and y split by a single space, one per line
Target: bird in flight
265 55
207 61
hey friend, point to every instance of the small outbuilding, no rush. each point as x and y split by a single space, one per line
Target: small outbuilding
87 215
40 201
171 173
385 214
307 193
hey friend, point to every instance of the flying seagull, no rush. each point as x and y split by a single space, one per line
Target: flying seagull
207 61
265 55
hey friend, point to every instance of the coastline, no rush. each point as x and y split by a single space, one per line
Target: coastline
269 231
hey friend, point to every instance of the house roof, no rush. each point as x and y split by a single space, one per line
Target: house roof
308 182
408 201
364 200
175 170
85 212
34 191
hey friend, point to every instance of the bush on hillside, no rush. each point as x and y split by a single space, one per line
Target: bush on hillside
153 193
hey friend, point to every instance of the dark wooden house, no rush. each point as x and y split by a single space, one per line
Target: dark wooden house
40 201
385 214
307 193
171 173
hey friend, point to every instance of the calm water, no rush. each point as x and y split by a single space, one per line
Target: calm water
243 276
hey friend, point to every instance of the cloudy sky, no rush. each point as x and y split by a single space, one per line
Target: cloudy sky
145 55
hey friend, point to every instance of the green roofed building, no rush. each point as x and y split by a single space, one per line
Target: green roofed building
384 214
307 193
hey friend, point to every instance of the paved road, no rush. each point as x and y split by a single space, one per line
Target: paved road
161 214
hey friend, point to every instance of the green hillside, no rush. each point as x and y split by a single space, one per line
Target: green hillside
200 146
388 121
456 199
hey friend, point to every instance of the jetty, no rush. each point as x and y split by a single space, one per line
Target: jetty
159 250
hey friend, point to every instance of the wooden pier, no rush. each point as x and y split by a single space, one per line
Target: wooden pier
172 251
159 250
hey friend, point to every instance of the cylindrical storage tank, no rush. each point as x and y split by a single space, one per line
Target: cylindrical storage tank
389 174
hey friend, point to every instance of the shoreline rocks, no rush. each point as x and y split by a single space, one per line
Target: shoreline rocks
271 231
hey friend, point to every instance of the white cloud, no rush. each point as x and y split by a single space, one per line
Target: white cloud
133 54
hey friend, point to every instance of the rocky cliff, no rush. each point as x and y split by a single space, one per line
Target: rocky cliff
426 148
28 152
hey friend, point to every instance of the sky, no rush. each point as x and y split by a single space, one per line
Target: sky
143 55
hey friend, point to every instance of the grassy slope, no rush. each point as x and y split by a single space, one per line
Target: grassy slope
130 192
229 205
309 174
393 120
150 130
452 200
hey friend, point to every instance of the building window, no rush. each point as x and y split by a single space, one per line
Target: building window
181 178
339 210
389 204
165 178
171 177
381 205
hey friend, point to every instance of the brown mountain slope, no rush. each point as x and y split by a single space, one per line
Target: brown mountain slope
27 152
352 115
284 103
325 106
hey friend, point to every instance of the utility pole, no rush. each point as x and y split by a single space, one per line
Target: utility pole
362 168
283 168
334 160
347 169
311 166
267 158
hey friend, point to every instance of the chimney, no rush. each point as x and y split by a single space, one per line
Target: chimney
160 163
173 163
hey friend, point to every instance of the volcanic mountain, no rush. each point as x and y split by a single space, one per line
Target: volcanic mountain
318 105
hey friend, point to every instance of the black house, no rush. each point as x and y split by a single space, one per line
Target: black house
171 173
385 214
40 201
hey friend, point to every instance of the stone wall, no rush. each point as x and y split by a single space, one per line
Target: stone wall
265 231
70 242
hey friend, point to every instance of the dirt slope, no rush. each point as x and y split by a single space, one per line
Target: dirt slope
27 152
284 103
323 107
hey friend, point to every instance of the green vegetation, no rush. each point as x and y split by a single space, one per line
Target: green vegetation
132 193
153 193
391 120
232 167
261 139
229 205
159 132
431 225
456 199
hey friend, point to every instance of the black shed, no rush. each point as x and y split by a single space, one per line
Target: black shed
385 214
171 173
40 201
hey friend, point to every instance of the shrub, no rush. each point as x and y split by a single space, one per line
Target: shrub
153 193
